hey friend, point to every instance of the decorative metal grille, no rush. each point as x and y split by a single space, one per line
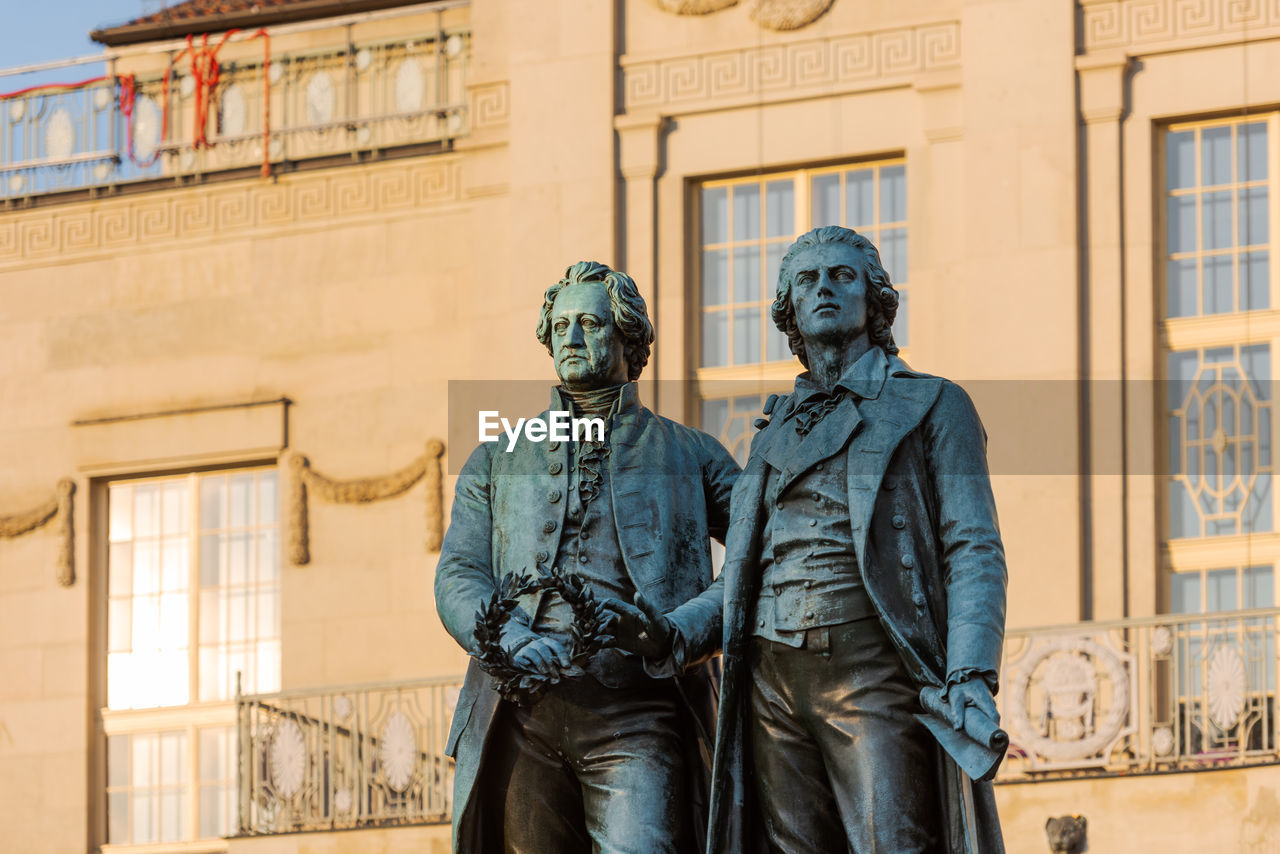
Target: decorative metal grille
346 757
119 128
1220 438
1165 693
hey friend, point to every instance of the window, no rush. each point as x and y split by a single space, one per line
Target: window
193 599
746 226
1219 289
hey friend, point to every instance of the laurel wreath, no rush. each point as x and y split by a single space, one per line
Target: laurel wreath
525 687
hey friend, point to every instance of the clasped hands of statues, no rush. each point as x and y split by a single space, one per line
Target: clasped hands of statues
638 628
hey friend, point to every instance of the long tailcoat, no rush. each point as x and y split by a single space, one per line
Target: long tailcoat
929 552
670 488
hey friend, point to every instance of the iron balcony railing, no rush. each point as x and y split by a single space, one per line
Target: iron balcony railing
1167 693
359 756
204 112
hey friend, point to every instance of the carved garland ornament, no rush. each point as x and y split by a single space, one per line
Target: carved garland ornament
771 14
58 507
305 480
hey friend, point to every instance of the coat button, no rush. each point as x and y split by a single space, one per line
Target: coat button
890 483
818 466
807 584
548 526
553 496
899 522
762 622
813 522
908 561
582 558
555 468
584 535
808 615
574 511
541 557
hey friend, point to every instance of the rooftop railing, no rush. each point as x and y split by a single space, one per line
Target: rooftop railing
1168 693
204 112
359 756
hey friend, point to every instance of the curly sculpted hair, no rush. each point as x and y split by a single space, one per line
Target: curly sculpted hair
630 315
882 299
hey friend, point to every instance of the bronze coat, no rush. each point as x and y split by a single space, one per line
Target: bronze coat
670 488
929 551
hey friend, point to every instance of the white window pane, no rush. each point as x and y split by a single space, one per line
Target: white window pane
118 817
212 673
240 499
214 818
268 608
1181 167
268 555
121 685
174 619
146 567
212 494
214 749
173 758
172 815
172 674
212 558
119 625
746 212
1215 156
146 623
118 758
120 512
268 669
144 818
146 510
715 277
213 615
824 195
174 570
239 553
145 760
173 515
746 274
238 603
268 498
715 215
780 208
120 569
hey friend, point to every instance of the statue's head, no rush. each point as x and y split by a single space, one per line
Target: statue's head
595 326
832 287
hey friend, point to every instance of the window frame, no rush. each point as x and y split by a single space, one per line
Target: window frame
1238 328
194 716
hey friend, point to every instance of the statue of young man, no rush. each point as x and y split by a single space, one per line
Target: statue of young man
615 759
863 564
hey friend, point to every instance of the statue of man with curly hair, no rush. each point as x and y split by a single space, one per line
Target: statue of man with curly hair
864 591
614 754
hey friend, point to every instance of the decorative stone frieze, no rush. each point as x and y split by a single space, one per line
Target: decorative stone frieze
1133 24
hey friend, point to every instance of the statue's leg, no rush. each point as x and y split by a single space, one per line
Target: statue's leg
880 760
527 782
800 814
625 744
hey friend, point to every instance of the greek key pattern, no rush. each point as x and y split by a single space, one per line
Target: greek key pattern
490 104
203 212
1123 23
788 69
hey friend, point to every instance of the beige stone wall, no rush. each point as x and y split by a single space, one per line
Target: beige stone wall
359 292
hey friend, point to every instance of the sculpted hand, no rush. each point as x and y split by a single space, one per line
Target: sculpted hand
973 693
639 628
539 653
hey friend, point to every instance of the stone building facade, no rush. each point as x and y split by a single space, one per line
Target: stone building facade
241 276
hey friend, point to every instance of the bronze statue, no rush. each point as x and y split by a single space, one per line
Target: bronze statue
864 591
608 752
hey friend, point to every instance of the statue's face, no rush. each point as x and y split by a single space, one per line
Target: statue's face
586 346
829 293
